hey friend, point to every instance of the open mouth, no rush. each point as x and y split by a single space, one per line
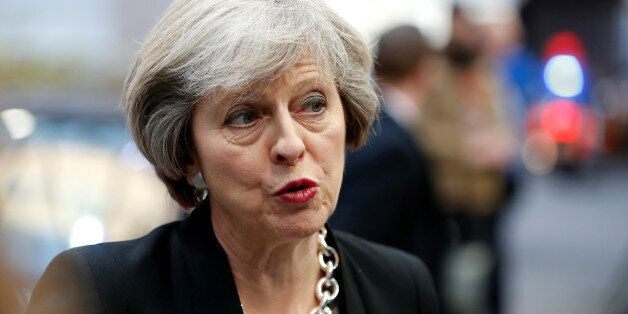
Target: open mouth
298 191
296 186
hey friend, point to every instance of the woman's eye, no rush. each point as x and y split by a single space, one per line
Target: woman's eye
314 104
242 118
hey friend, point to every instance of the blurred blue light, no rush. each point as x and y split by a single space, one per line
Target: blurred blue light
563 76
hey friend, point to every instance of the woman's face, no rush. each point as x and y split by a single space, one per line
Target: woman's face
273 158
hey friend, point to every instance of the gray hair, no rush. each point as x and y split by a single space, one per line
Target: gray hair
202 47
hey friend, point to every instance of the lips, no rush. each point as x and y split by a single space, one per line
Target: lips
297 191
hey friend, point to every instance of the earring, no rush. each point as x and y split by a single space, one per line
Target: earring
198 182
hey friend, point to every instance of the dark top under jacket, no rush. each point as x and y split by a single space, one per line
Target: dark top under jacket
181 268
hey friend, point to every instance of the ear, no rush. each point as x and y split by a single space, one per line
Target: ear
193 168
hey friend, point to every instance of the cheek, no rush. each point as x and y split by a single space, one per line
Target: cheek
337 153
339 141
231 168
332 152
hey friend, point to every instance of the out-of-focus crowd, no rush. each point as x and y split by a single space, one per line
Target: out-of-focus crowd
460 126
443 160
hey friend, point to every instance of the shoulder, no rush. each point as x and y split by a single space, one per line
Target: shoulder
132 256
386 133
64 287
100 276
389 147
385 271
381 256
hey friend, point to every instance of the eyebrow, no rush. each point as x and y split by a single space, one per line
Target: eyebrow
252 94
241 96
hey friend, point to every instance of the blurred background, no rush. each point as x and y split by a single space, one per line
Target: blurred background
542 110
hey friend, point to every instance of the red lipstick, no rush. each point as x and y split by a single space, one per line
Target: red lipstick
297 191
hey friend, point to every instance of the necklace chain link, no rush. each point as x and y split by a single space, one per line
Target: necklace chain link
327 287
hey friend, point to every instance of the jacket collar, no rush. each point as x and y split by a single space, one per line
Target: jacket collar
202 278
201 268
350 299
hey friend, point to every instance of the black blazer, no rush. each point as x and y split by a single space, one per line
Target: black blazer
180 268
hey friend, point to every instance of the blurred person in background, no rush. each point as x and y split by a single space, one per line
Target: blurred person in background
387 194
470 144
10 281
10 301
518 69
10 284
9 293
245 109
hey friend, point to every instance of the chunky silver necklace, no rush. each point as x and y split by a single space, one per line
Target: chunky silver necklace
327 287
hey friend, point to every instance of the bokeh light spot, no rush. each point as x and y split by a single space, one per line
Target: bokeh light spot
563 76
20 123
87 230
562 120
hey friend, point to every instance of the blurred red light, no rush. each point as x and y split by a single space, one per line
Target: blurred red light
562 120
565 43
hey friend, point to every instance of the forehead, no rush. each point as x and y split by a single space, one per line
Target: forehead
303 70
301 75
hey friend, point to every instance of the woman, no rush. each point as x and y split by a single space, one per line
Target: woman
245 108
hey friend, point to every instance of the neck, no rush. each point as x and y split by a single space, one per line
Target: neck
271 275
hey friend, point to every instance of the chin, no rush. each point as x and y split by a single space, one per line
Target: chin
302 224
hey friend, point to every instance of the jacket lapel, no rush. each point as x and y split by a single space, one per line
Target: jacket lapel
353 303
201 276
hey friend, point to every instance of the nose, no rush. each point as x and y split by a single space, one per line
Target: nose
288 146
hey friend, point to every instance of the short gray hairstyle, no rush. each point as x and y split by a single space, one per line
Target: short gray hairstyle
202 47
